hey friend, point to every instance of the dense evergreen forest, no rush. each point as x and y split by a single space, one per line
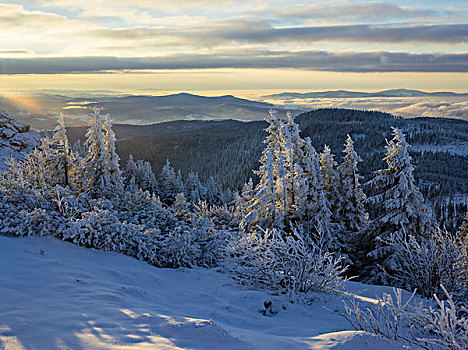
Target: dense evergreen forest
229 150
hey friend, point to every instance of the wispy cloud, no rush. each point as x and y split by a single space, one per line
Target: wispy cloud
374 10
222 32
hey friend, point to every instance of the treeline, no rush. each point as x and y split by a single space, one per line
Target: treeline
228 151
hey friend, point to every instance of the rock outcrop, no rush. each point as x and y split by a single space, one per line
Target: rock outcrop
16 135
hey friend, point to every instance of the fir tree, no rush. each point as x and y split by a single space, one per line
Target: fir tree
145 177
171 184
130 170
94 162
62 151
352 210
291 148
311 203
112 172
213 192
271 202
330 184
261 209
401 210
195 190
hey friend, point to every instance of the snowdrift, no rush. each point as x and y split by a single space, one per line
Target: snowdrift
55 295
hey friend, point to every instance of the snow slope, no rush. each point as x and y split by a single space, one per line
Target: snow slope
54 295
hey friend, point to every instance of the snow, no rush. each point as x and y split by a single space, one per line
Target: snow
55 295
455 149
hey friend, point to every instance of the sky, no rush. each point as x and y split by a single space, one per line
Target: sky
226 45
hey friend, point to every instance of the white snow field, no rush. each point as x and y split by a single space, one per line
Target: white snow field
55 295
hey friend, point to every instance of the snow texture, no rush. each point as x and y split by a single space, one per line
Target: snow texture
15 138
55 295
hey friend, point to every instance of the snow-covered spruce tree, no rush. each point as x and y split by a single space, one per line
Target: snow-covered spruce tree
195 190
290 187
101 170
130 171
261 208
402 212
67 162
170 184
330 185
94 164
243 198
37 168
62 152
142 174
310 202
112 170
351 211
292 153
213 192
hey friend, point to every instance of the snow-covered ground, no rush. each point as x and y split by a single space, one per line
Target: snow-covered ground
54 295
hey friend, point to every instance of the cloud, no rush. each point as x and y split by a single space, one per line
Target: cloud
451 33
16 52
231 31
446 109
15 16
312 60
407 107
377 10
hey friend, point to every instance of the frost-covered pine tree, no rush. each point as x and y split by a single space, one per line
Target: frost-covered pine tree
145 177
311 203
213 192
261 208
274 199
330 185
113 180
195 189
94 164
402 211
291 154
62 152
170 183
38 169
130 170
351 211
242 199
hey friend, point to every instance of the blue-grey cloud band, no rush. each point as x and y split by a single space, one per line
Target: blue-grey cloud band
312 60
262 32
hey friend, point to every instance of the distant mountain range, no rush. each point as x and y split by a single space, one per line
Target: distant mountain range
153 109
358 94
40 110
133 109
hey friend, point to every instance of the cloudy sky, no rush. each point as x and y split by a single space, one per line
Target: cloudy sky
233 45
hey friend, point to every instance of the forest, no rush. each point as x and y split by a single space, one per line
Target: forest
306 225
229 150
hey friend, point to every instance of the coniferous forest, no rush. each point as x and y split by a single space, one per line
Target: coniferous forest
304 222
229 150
